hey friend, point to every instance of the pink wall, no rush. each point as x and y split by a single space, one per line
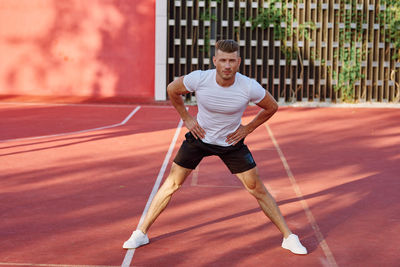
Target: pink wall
94 49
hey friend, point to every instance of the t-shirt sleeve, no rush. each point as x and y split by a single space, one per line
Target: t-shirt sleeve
192 80
257 92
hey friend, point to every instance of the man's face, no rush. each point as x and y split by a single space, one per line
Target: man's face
226 64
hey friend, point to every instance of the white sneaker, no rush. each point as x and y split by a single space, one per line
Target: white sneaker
137 239
293 244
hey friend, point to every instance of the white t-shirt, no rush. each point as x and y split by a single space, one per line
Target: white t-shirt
221 108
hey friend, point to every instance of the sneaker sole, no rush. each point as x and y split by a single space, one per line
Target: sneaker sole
126 247
297 253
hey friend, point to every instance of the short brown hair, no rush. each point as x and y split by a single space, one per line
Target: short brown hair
228 46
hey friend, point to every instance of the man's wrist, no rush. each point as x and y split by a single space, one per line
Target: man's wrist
249 128
186 116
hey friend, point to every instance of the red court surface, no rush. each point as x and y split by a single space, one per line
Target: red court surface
75 180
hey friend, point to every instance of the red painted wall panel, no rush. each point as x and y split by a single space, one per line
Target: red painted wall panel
94 49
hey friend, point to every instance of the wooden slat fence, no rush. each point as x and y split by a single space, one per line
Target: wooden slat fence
307 61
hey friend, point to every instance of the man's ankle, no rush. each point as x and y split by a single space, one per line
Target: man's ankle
287 234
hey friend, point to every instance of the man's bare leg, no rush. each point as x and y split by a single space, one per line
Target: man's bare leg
254 185
160 201
172 183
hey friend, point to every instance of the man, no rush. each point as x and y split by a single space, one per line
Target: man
222 96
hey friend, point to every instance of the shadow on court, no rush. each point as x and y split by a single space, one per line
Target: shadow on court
75 199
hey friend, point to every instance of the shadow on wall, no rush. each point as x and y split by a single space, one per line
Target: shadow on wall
87 49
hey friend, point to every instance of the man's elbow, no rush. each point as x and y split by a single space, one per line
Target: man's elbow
170 89
176 88
274 107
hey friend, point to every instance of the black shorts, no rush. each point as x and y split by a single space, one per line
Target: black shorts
237 158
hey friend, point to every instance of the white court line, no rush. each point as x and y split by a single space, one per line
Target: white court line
310 216
83 105
52 265
66 104
129 254
76 132
217 186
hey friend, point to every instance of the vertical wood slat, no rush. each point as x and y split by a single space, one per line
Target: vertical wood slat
357 14
280 74
318 52
311 77
296 86
363 50
287 69
369 95
330 49
304 54
387 56
189 31
335 49
375 94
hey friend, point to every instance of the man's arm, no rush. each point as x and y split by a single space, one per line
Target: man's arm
175 90
269 107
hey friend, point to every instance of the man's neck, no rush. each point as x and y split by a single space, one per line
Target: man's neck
225 83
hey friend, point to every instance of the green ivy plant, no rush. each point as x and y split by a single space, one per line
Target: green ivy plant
392 16
207 16
349 73
274 16
349 55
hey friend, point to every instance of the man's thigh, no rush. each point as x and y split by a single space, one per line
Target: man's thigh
190 153
250 178
239 160
178 174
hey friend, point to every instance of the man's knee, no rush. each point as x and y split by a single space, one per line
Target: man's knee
253 184
258 190
250 179
171 185
175 178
